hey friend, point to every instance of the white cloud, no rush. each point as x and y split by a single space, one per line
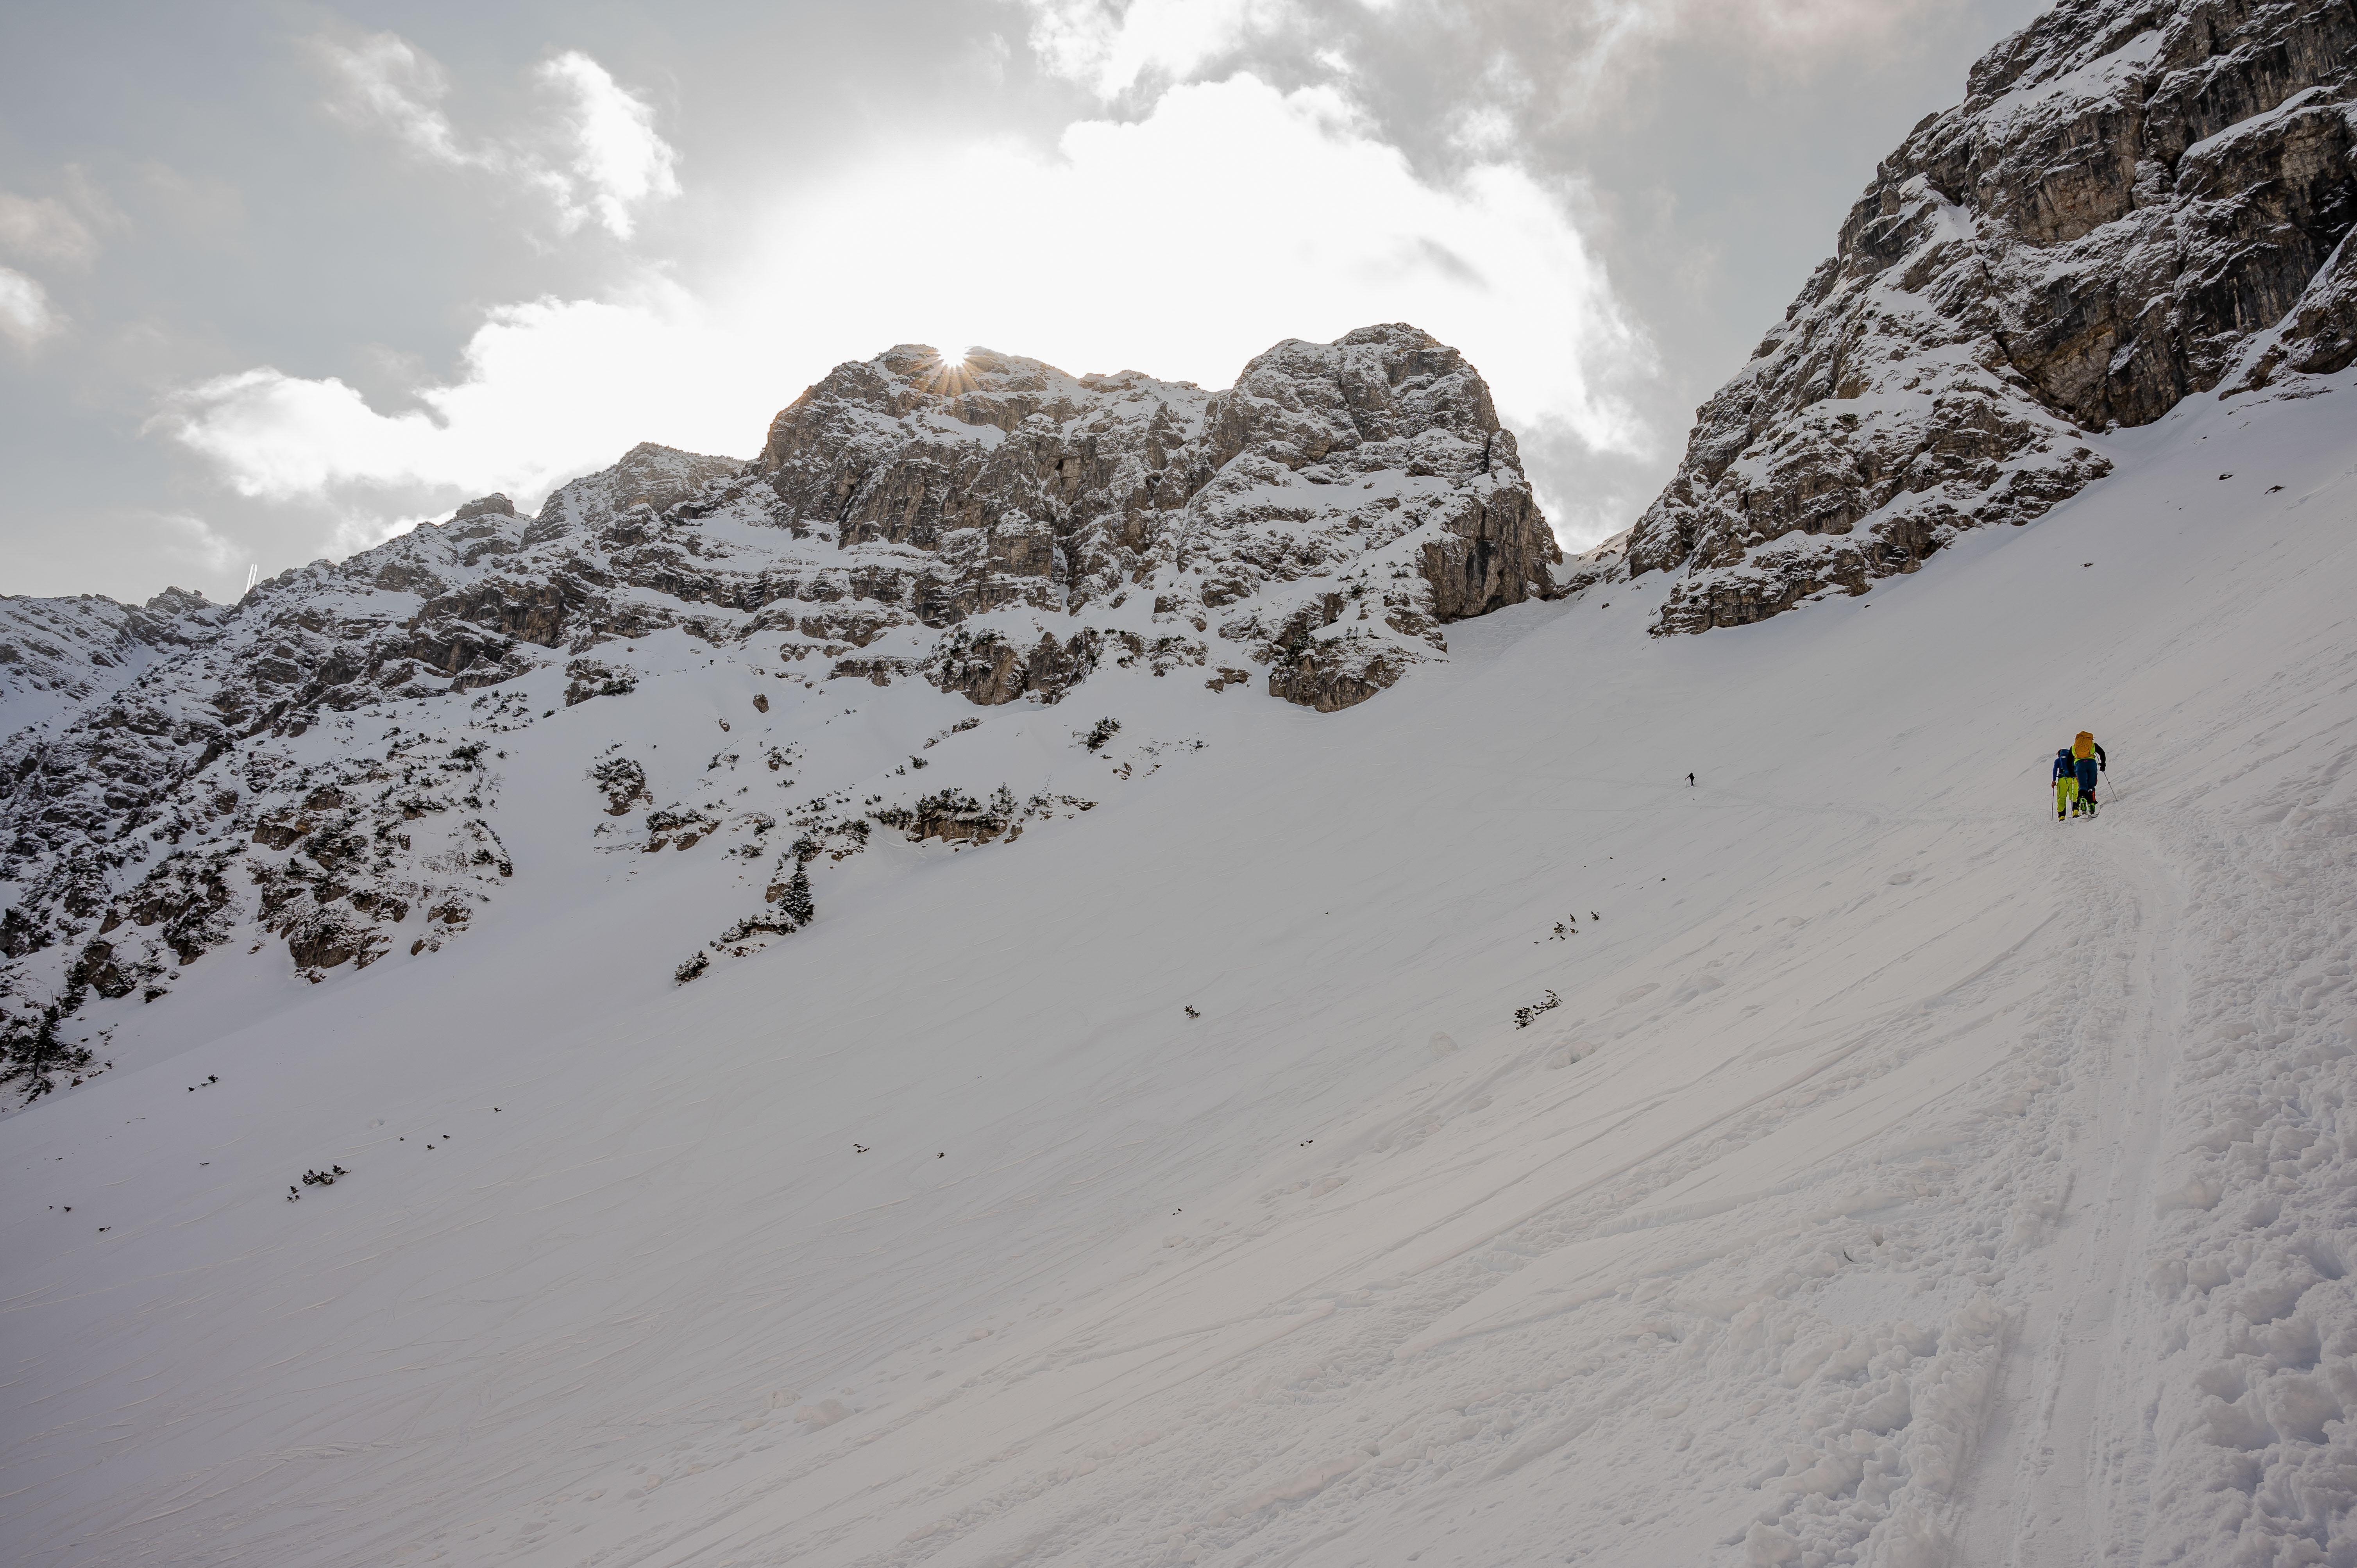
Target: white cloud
1807 26
188 542
1593 53
1231 217
1605 43
389 86
26 313
598 156
1485 130
619 162
536 403
45 228
1106 45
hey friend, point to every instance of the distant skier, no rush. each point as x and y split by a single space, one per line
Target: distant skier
1689 780
2066 783
2091 761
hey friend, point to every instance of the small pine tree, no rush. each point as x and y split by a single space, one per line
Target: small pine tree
29 1059
796 904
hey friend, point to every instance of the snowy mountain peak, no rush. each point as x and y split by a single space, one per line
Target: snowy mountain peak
2137 200
307 772
1029 486
496 504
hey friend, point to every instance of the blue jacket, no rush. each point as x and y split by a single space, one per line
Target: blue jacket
2065 765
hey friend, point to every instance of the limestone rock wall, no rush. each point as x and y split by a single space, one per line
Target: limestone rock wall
1001 481
2137 200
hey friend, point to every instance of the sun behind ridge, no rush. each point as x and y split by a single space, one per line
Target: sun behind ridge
949 373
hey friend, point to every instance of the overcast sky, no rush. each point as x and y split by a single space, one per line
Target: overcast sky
279 279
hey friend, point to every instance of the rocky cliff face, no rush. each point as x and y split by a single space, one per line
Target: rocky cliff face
319 767
58 654
996 481
2137 200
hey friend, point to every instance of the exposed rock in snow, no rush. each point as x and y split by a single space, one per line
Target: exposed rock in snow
994 527
2137 200
999 481
58 654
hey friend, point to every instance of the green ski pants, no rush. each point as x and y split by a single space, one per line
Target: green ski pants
2066 794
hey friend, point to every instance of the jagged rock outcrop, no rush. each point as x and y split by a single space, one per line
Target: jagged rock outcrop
989 669
320 766
149 803
996 481
58 654
2137 200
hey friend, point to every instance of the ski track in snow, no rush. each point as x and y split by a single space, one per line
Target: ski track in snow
1905 1178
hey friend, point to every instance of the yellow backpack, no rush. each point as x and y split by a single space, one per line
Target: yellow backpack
2084 746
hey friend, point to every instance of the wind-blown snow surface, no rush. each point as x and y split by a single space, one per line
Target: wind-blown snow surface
1905 1177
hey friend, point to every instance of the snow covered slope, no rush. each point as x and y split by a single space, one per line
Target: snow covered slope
1886 1172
